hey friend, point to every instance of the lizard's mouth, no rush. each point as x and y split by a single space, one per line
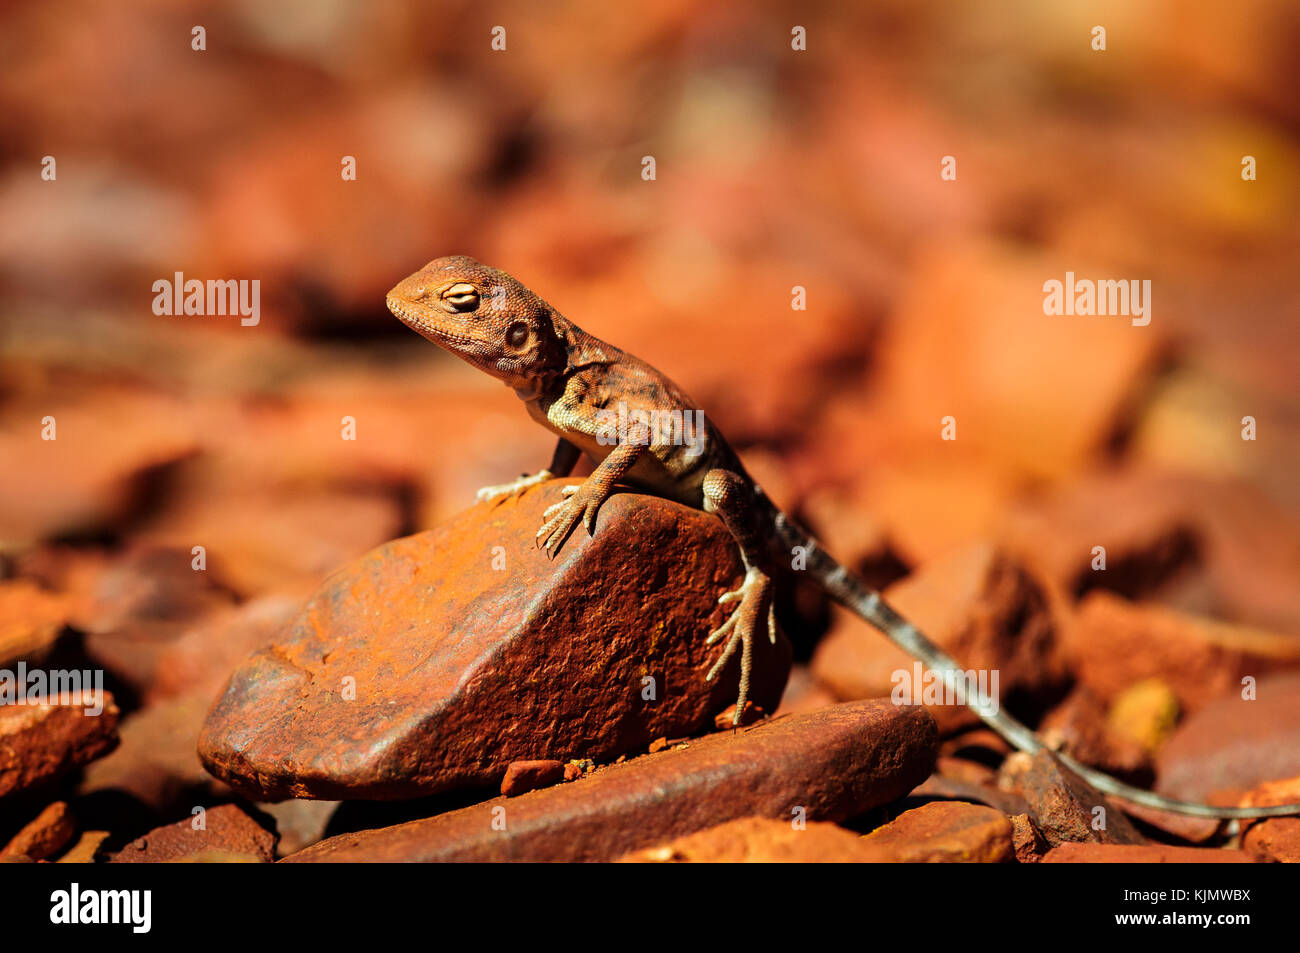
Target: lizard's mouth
450 334
424 320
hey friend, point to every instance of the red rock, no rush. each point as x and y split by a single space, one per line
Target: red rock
201 658
1142 854
227 829
931 507
1274 839
835 763
983 609
1194 830
1064 806
761 840
970 340
89 477
41 741
1027 840
1234 743
31 620
945 832
141 603
156 761
46 835
459 669
1078 726
960 789
1115 644
1147 526
524 776
725 719
263 538
86 849
959 769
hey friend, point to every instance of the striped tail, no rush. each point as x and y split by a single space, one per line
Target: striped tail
855 595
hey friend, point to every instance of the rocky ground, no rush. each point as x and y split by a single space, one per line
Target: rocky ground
317 649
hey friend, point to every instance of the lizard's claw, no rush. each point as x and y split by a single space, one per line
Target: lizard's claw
559 519
502 491
756 606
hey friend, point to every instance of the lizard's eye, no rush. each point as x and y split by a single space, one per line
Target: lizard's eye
517 335
461 297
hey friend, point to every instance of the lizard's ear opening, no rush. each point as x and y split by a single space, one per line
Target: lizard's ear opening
518 336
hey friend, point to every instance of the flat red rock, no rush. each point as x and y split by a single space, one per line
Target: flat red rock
831 764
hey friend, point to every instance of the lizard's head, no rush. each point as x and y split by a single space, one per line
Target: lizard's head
483 315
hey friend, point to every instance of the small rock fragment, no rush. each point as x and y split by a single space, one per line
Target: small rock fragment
1067 809
524 776
227 828
945 832
45 836
1027 840
40 741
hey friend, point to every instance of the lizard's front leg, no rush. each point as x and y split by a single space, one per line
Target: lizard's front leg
731 497
563 461
583 502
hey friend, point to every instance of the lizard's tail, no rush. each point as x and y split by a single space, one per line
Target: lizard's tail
868 604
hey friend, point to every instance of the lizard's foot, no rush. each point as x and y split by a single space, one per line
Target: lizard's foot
504 490
756 606
559 519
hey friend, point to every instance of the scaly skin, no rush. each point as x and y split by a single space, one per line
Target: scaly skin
570 382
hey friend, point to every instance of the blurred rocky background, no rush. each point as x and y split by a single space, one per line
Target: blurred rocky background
775 168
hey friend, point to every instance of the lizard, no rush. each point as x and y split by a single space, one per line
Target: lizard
569 380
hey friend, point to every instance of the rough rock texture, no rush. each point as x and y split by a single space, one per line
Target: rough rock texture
761 840
985 610
1235 743
42 741
1274 839
44 836
1027 840
1137 854
835 763
228 830
421 667
1063 806
945 832
1115 644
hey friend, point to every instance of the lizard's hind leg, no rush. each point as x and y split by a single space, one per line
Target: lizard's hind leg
732 499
